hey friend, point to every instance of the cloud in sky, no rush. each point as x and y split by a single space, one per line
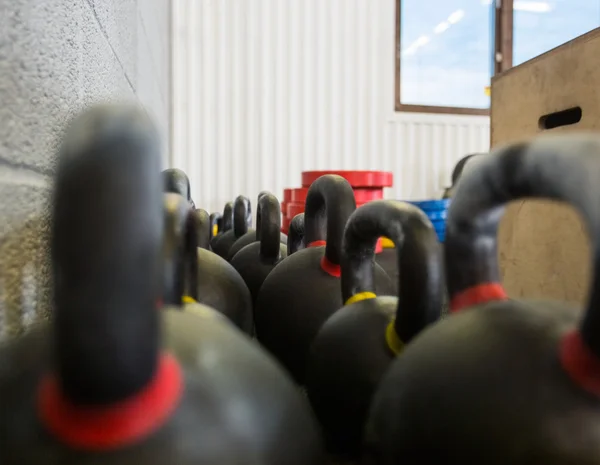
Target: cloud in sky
447 45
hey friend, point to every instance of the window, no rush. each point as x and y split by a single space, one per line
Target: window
444 56
448 50
541 26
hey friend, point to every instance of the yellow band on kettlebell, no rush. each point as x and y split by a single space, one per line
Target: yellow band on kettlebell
387 243
186 299
215 229
392 339
360 296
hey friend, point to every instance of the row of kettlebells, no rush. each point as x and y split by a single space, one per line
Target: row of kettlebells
329 313
498 382
112 380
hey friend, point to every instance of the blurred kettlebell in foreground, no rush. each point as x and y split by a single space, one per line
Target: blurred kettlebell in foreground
97 385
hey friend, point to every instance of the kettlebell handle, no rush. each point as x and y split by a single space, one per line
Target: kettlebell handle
227 217
177 182
241 211
258 217
180 253
296 234
553 166
202 224
106 265
419 256
269 212
329 203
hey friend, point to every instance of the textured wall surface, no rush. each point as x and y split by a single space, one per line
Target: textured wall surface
265 89
56 57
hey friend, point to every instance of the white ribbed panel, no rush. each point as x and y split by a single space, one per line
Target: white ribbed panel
265 89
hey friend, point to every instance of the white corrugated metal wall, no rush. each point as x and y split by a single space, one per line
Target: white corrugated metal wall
264 89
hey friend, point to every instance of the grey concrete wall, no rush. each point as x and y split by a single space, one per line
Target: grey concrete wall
57 57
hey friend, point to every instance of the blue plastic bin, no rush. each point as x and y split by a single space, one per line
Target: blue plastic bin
436 210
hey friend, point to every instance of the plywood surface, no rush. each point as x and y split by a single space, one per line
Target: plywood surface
543 248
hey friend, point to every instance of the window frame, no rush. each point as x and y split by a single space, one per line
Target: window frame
502 56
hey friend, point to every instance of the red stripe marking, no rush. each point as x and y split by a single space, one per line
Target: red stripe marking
578 361
103 428
378 246
328 267
475 295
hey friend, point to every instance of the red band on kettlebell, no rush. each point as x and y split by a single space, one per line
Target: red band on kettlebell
330 268
582 366
475 295
103 428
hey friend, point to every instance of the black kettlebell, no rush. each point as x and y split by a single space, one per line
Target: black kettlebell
226 224
501 381
242 214
295 240
97 385
255 261
387 259
357 344
456 174
215 220
304 289
206 277
252 236
177 182
202 224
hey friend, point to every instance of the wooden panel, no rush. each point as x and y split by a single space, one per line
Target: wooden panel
543 248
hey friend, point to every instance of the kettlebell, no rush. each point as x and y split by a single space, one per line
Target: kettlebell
255 261
295 240
97 384
501 381
177 182
304 289
205 277
215 219
202 227
388 260
242 213
226 224
356 345
456 174
252 236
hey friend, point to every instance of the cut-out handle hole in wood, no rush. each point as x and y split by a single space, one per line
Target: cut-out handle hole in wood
561 118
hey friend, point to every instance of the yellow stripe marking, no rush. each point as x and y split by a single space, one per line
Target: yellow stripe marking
360 296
